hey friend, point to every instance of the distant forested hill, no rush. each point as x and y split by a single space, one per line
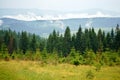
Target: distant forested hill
45 27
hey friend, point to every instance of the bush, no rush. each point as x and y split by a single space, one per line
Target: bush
62 60
28 56
89 58
1 56
37 56
13 56
98 67
6 57
76 62
90 75
111 63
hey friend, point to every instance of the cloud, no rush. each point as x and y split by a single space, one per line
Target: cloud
32 16
1 22
86 15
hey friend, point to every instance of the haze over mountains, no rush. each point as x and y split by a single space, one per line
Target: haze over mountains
43 22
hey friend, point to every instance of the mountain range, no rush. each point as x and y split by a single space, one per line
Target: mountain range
45 27
43 22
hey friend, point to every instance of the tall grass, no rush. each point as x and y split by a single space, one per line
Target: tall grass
36 70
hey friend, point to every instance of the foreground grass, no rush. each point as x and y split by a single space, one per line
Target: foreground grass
36 70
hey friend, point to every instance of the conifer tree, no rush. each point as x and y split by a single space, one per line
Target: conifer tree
78 43
33 43
67 42
100 41
24 42
117 38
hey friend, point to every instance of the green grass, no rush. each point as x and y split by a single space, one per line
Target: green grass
36 70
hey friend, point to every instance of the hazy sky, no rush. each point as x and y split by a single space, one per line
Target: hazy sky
62 5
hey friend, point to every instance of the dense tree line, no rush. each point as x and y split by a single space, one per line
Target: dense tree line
20 42
83 47
84 40
81 41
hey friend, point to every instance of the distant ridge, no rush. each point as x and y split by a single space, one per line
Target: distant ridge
45 27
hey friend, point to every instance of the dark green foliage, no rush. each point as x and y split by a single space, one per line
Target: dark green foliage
117 38
42 45
33 43
67 42
100 40
104 41
81 41
108 40
53 42
73 40
6 38
83 47
12 45
93 40
78 42
112 40
24 42
76 62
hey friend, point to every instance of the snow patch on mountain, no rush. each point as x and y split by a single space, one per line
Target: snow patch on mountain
32 16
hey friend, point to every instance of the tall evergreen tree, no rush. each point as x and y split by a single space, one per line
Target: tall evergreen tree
100 41
67 42
7 38
33 43
117 38
87 38
93 40
52 42
73 41
49 46
112 39
108 40
42 45
83 43
24 42
11 45
78 44
1 39
104 41
60 45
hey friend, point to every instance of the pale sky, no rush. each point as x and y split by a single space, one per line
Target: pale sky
62 5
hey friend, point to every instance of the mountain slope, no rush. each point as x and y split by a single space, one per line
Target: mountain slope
45 27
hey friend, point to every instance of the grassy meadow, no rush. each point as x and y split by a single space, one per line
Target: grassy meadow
36 70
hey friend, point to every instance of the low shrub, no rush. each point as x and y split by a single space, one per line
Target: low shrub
98 67
6 57
75 62
90 75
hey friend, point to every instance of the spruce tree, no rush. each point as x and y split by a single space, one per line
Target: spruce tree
67 42
24 42
100 41
33 43
78 43
117 38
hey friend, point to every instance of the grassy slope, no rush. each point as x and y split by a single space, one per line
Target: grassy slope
31 70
